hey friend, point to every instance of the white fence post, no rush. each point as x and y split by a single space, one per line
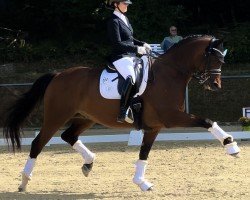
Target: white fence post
135 138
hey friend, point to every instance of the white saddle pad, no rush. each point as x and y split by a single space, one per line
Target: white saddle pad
108 83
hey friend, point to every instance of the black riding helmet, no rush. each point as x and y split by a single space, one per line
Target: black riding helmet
111 2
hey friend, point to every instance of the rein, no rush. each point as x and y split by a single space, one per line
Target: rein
202 77
151 55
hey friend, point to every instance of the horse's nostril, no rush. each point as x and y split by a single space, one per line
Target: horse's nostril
217 85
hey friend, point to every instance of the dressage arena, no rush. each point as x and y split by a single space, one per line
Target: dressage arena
179 170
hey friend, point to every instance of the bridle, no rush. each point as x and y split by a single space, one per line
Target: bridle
203 76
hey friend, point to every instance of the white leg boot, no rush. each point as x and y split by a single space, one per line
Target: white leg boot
87 155
27 174
221 135
140 169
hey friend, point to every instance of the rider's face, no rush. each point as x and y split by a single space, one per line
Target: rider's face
123 7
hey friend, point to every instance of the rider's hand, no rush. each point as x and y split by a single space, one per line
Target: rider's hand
141 50
147 46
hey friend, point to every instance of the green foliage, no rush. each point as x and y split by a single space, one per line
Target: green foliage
224 105
245 121
238 43
62 28
152 19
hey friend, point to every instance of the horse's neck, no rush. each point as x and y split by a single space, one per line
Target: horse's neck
169 77
173 67
184 59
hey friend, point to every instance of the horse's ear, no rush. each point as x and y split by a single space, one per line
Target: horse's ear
216 42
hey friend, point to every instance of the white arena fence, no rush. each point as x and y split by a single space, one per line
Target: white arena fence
134 138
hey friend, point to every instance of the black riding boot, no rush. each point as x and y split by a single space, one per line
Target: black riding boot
125 99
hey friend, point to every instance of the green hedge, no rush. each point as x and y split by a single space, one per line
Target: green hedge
66 28
238 43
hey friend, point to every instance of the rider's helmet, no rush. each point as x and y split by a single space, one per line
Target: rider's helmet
111 2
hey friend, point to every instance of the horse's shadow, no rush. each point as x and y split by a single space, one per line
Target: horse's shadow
56 194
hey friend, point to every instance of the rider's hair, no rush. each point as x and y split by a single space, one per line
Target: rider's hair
112 5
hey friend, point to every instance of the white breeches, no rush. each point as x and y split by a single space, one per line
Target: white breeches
125 66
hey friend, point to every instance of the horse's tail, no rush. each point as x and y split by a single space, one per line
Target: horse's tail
21 109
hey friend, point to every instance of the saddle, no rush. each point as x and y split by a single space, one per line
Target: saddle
138 68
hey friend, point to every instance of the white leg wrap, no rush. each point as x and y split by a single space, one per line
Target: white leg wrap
140 169
22 187
231 148
87 155
28 168
219 133
27 173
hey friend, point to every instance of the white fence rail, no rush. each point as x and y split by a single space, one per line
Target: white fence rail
135 138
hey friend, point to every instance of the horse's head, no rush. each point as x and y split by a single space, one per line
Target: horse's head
198 56
209 73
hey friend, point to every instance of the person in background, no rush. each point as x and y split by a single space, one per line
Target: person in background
172 39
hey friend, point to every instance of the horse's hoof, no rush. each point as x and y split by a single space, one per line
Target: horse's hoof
150 189
232 148
21 189
236 155
146 186
86 168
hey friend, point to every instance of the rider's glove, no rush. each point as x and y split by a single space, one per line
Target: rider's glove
147 46
141 50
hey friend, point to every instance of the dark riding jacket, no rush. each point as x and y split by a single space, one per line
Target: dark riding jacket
121 37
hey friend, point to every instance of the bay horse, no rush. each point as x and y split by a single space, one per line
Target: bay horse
74 95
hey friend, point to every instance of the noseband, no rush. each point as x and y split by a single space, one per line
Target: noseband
203 76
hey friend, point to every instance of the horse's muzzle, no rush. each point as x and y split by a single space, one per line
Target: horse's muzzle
213 84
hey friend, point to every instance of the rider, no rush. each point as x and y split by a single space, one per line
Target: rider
124 49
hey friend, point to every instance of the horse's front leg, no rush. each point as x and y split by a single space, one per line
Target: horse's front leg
141 164
186 120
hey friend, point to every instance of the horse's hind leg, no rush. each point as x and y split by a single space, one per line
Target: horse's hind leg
36 147
71 134
141 164
52 122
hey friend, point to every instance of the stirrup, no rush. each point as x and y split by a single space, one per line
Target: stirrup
126 117
129 117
